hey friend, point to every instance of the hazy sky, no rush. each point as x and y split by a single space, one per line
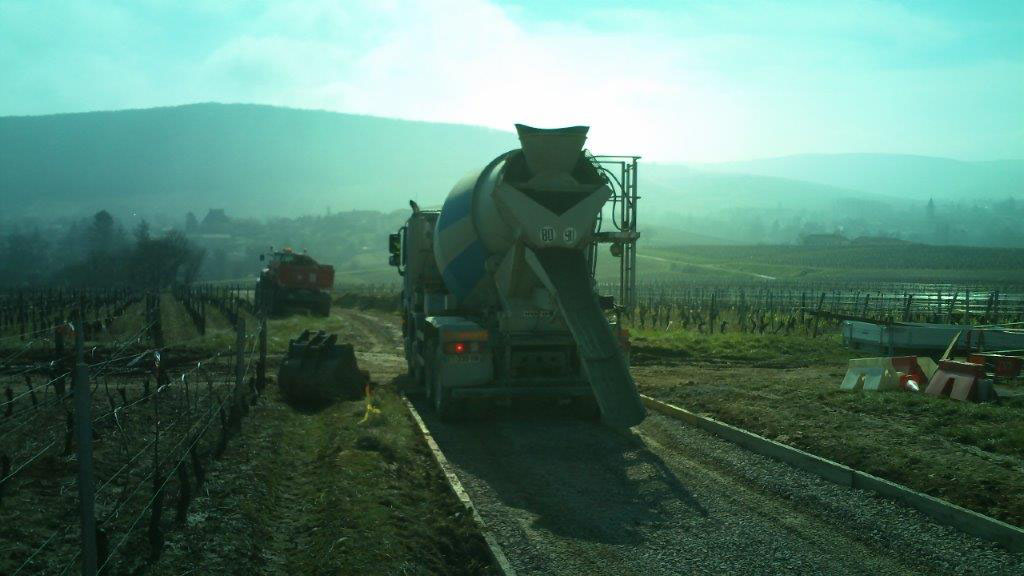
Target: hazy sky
697 81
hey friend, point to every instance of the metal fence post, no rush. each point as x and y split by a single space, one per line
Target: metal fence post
239 358
817 315
261 368
83 437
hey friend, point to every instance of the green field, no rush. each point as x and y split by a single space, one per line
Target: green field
897 262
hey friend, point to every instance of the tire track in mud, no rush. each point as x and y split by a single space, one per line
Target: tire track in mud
373 339
294 444
378 342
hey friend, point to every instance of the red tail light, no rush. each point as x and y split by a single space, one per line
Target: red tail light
461 347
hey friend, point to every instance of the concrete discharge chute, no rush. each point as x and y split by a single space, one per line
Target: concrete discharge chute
600 354
512 254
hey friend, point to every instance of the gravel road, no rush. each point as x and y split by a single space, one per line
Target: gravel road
567 496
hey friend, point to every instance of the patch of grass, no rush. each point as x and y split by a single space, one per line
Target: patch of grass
969 454
282 329
404 522
328 492
389 302
767 350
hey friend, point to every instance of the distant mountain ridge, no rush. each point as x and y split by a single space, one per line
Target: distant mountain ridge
252 160
263 161
895 175
684 187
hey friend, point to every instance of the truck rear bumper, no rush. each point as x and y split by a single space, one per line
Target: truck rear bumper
302 295
570 390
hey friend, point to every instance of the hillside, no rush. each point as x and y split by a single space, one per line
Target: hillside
264 161
261 161
687 188
252 160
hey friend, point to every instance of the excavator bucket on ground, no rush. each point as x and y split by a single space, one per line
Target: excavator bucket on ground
318 370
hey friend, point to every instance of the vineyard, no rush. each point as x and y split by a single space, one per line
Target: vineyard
109 423
157 425
808 308
119 405
780 307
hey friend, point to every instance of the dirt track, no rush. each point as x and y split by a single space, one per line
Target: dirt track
571 497
568 496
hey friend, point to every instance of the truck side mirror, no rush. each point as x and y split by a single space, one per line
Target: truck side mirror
393 260
263 257
394 245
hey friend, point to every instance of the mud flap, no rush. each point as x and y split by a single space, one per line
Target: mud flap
568 277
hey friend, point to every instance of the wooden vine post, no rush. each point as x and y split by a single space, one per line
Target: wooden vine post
83 439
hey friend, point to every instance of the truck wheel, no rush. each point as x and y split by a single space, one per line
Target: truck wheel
586 408
444 405
261 298
427 385
420 373
270 300
416 386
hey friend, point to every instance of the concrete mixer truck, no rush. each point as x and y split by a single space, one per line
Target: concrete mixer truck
499 298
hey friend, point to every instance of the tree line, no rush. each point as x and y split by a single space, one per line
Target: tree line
98 252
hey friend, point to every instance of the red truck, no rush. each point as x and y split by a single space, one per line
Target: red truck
294 280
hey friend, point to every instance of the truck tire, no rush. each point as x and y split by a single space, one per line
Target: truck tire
268 299
446 407
324 308
261 300
421 381
417 386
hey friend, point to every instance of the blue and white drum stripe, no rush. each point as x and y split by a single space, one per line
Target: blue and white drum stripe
459 252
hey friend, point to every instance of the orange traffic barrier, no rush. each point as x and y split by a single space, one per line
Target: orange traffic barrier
1001 366
956 380
914 372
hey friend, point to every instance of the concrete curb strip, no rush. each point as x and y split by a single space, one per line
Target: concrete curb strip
979 525
497 555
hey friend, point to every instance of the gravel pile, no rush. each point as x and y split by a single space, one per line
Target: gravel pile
566 496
